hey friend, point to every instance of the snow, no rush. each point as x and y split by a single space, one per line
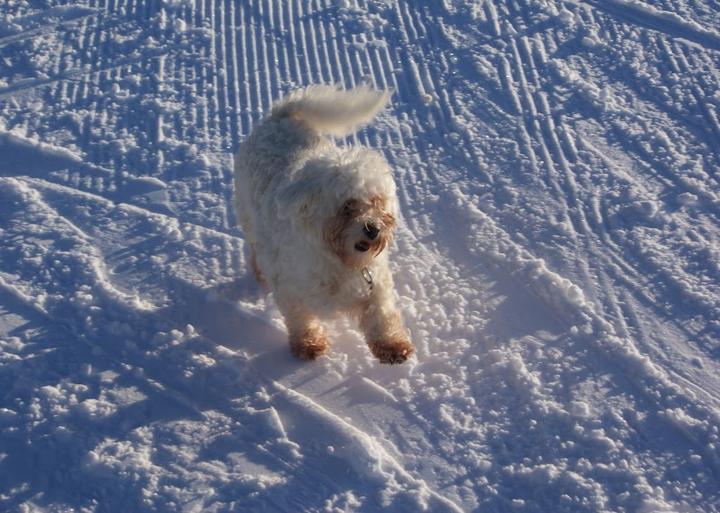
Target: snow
557 261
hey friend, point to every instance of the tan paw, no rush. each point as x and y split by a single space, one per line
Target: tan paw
392 350
310 345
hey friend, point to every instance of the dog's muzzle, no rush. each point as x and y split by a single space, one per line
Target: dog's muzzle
362 246
371 231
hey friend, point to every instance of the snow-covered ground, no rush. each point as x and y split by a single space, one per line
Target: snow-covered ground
558 260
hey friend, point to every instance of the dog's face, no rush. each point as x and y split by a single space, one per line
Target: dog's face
360 230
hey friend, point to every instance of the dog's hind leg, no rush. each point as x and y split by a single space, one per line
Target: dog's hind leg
256 268
305 333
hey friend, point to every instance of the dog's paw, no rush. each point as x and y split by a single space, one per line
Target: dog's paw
392 350
310 345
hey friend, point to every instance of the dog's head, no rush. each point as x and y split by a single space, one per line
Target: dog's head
359 231
346 202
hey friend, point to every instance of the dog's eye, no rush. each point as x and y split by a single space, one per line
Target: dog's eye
348 208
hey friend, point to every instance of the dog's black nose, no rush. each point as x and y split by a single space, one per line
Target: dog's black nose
371 231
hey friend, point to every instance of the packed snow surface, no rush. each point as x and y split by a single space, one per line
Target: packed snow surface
557 260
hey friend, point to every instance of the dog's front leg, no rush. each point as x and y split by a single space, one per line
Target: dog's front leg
305 333
384 330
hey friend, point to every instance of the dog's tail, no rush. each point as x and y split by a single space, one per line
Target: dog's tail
330 110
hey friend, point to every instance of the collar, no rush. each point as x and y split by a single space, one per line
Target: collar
367 276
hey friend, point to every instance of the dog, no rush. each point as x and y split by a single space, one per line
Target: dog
319 218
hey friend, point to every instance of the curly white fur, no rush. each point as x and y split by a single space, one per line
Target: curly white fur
318 218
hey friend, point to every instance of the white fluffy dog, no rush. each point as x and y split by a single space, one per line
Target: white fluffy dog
318 219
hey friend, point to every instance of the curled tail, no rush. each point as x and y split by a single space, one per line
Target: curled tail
330 110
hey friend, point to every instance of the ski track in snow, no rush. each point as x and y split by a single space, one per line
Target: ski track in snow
558 164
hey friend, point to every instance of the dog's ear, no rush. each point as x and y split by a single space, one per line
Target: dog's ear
296 199
307 196
303 197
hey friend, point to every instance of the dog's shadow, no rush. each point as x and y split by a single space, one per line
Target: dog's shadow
232 314
241 316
